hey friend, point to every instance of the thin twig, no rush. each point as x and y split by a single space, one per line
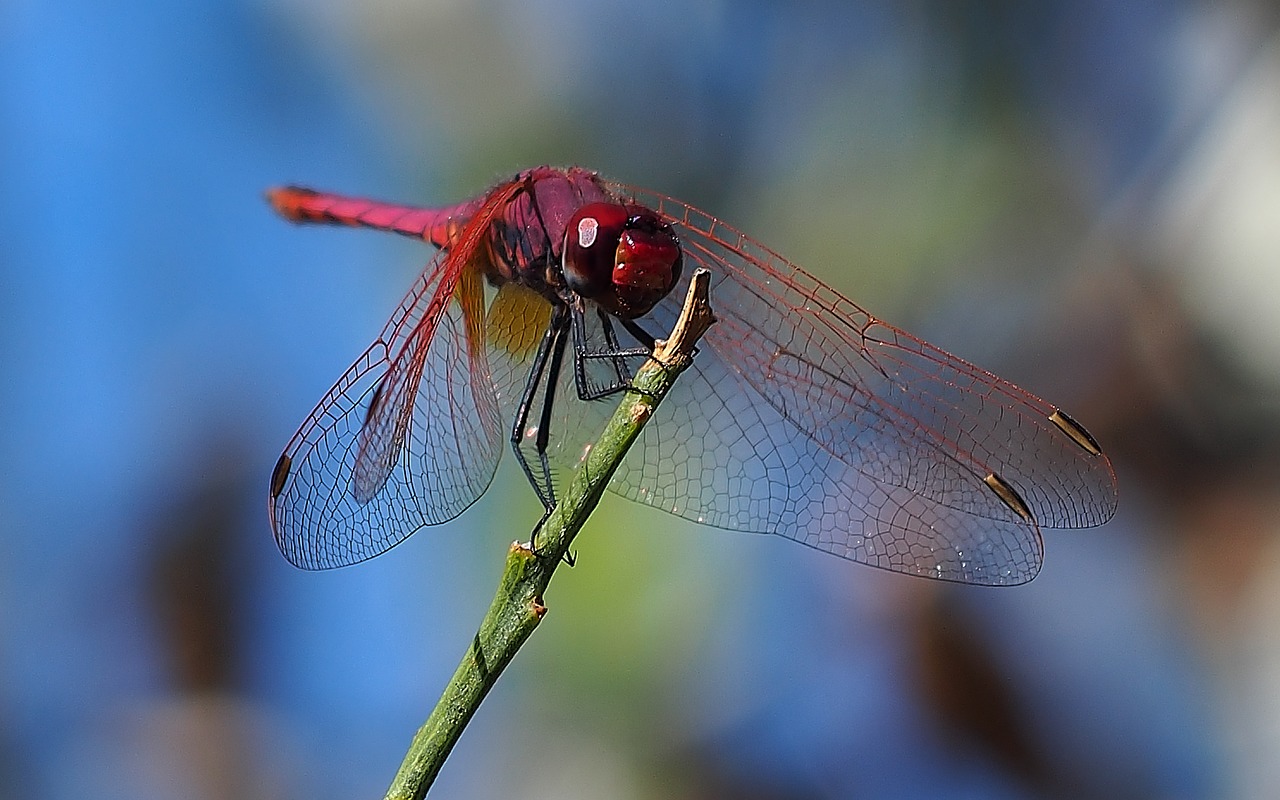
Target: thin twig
518 607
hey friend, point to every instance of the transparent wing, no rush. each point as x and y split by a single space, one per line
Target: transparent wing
409 436
805 416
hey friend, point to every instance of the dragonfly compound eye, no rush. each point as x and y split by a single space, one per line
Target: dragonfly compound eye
590 242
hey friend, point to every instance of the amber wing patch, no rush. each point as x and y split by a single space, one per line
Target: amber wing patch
517 320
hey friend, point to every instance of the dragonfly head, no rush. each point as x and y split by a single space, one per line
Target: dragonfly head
623 257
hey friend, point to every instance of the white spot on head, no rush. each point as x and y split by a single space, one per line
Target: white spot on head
587 229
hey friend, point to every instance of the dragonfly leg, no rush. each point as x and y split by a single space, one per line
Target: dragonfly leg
550 353
547 364
568 321
612 352
543 440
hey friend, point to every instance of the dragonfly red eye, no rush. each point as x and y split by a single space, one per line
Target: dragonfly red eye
590 243
625 259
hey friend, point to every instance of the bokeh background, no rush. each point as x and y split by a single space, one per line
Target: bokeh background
1083 197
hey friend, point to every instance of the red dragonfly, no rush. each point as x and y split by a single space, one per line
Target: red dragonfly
802 415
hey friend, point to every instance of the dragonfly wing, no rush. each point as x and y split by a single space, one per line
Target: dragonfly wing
409 436
750 468
808 417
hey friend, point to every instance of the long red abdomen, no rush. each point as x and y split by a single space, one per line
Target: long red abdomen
437 226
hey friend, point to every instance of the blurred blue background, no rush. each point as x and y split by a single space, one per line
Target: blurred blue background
1083 197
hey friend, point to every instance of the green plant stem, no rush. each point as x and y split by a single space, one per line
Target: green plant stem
518 607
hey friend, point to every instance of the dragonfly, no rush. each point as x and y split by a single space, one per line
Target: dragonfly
802 414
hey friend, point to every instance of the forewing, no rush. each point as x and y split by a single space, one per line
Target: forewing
409 436
804 415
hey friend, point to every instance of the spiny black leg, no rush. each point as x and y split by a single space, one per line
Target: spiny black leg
587 390
553 335
543 440
620 367
548 363
614 352
553 377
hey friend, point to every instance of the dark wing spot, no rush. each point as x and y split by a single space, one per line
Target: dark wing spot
373 402
1076 431
1008 495
280 474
